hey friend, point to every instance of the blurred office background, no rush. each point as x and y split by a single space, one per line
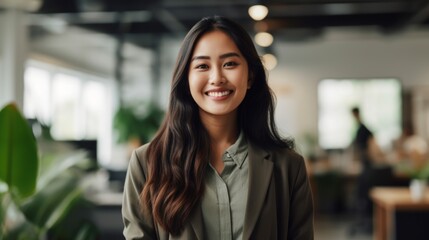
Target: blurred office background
81 71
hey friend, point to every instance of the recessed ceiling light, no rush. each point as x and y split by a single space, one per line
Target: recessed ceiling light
264 39
258 12
270 61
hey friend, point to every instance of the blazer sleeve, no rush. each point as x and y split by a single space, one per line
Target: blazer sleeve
301 209
136 224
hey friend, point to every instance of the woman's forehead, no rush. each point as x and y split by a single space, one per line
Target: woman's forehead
215 42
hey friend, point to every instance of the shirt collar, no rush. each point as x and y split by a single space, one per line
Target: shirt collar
237 151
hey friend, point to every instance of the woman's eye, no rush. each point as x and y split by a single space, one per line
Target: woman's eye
202 66
230 64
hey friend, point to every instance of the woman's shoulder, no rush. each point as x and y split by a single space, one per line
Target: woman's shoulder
285 153
288 162
287 159
139 157
141 151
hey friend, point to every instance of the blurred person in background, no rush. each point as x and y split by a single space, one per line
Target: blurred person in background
217 168
362 140
369 154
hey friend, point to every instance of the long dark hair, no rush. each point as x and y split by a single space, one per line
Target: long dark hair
179 154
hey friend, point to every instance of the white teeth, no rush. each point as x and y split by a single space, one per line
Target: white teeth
218 94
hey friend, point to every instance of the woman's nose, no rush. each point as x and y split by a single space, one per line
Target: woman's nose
216 77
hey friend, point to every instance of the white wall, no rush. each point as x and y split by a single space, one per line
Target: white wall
342 54
13 53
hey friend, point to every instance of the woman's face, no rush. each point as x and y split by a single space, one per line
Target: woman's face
218 74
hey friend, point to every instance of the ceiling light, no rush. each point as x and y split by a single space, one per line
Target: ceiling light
269 60
258 12
264 39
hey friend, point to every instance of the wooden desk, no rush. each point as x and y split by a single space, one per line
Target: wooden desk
388 200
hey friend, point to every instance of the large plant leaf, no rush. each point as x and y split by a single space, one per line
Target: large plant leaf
76 226
18 152
50 204
56 165
87 231
13 224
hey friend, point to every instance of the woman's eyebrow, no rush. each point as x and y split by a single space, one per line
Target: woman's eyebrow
199 57
225 55
231 54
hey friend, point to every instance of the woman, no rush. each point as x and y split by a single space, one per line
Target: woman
217 168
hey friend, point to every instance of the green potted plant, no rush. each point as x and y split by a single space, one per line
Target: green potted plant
18 170
419 176
37 191
418 183
138 123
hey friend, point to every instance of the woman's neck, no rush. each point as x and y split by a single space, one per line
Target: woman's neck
221 129
223 132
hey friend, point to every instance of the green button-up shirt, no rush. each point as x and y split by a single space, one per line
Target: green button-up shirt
225 198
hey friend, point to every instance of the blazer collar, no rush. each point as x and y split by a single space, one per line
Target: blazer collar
260 171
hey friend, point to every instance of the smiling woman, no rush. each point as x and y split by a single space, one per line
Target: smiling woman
217 168
218 75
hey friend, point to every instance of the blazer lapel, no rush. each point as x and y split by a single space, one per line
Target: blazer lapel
260 171
192 231
196 222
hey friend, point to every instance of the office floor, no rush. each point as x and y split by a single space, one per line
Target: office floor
336 228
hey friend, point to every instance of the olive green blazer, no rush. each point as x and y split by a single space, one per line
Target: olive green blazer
279 206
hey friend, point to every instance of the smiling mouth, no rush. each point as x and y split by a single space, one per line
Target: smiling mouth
219 94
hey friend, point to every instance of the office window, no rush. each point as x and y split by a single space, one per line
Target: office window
66 114
37 94
95 99
77 106
379 101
